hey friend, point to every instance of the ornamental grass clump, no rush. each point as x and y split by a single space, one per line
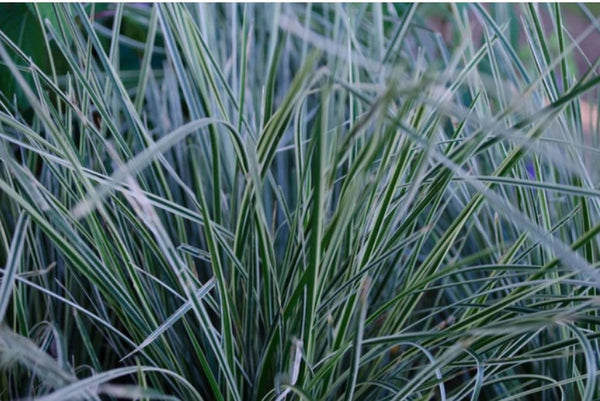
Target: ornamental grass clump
299 202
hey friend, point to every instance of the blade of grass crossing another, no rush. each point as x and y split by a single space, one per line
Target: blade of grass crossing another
13 262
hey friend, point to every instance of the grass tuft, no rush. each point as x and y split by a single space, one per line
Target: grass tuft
312 202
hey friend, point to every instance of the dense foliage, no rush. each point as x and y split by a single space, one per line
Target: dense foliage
316 202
